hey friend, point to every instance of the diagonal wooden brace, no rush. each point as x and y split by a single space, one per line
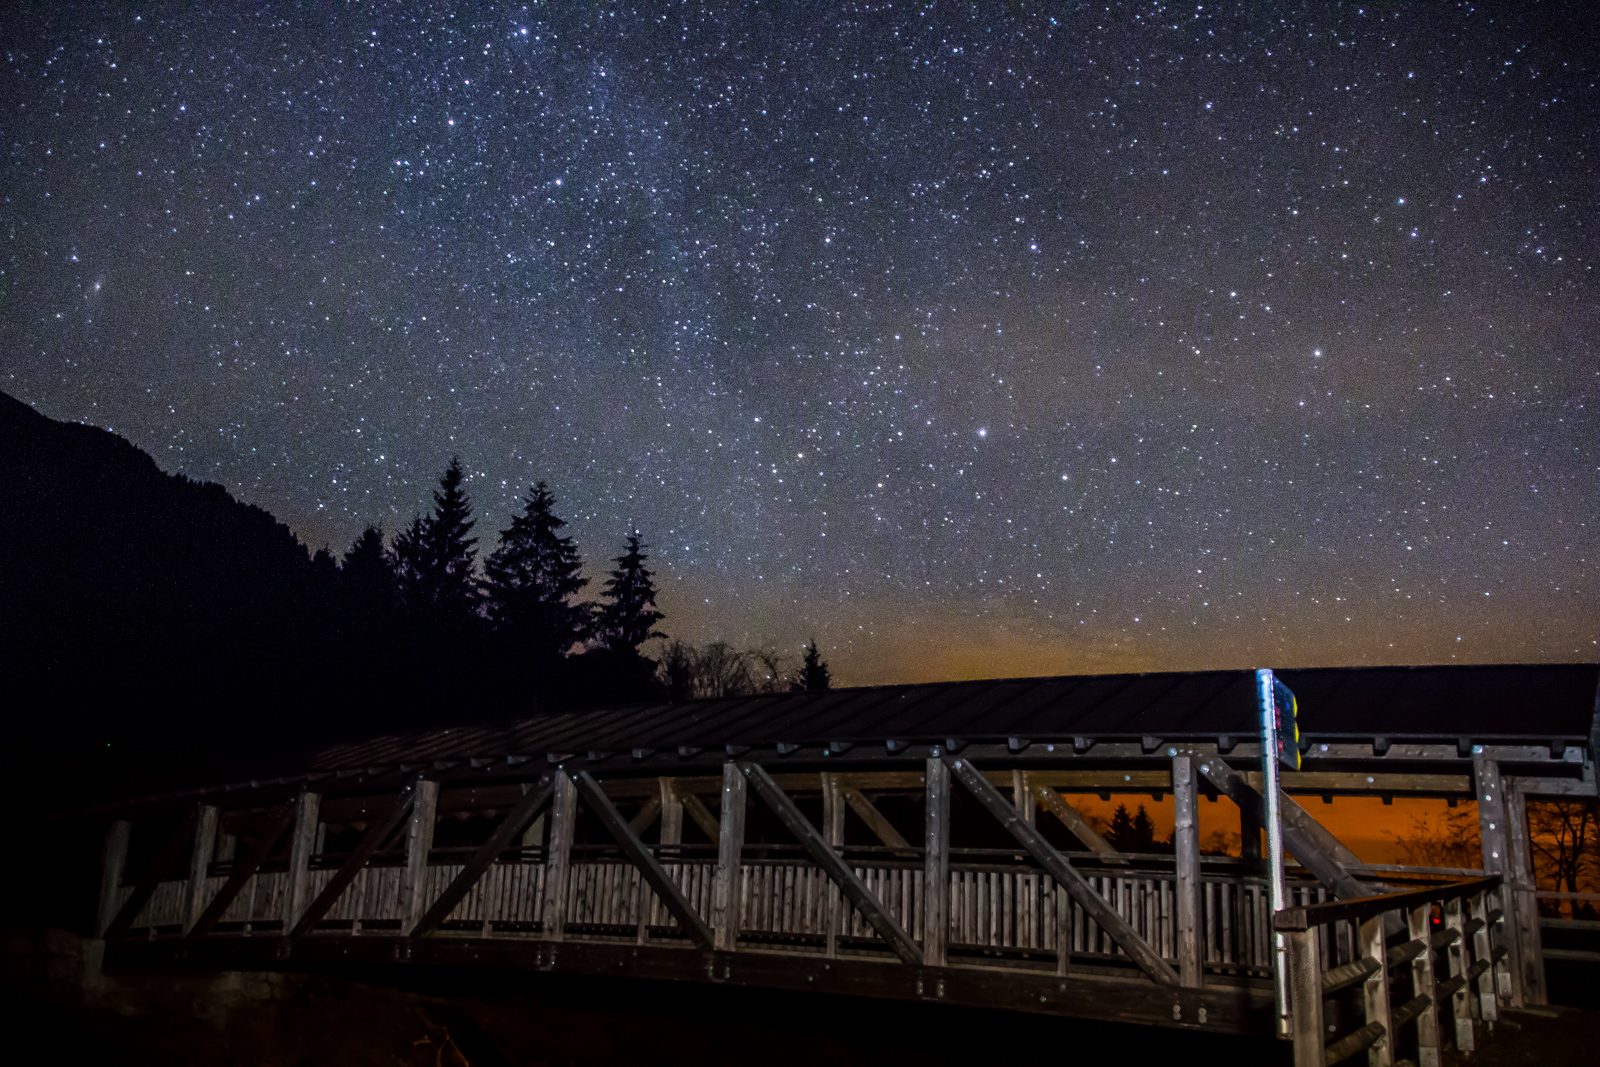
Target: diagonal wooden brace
1073 820
516 820
164 859
639 855
243 871
849 883
371 841
863 806
1126 937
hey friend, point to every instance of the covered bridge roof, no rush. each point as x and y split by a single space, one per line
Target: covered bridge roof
1547 703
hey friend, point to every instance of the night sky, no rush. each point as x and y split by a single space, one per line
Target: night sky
974 342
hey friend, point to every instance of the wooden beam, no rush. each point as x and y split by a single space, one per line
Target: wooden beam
936 865
1022 795
1519 906
696 809
1305 998
1081 828
558 856
302 844
1375 990
1419 924
671 811
1186 846
1493 825
1063 872
113 861
862 805
1458 955
377 833
671 896
894 936
833 807
725 897
205 843
419 842
1482 950
1298 837
164 859
243 870
647 814
509 829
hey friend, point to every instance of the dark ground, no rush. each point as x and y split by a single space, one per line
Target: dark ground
445 1019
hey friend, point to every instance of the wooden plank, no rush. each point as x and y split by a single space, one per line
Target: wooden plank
1375 990
647 814
244 870
1493 827
671 811
113 861
1519 906
862 805
1419 922
666 889
474 869
1305 998
377 833
1482 951
419 843
302 843
1073 820
936 865
894 936
160 865
833 807
1056 864
726 919
1457 954
696 809
1307 915
1540 786
1186 846
1298 836
558 857
1022 795
205 843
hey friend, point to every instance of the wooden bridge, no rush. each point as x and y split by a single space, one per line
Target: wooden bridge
559 844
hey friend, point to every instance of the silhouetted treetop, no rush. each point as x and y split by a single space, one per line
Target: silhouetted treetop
628 614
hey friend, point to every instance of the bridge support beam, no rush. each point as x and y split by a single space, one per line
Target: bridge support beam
113 861
1186 846
419 842
936 866
725 899
558 856
307 816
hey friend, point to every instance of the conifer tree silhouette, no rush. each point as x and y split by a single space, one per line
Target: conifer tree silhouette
434 560
628 615
532 579
367 578
814 674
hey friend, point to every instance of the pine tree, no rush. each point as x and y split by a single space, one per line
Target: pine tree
366 576
434 561
532 579
814 674
1142 833
1120 834
628 616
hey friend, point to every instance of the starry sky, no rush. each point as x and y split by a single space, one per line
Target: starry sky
974 341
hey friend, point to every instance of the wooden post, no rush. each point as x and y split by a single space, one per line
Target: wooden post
1520 908
1375 991
1492 828
1488 996
113 861
1022 796
833 833
558 857
671 813
1305 997
725 917
1459 956
1419 924
1186 843
301 844
1249 833
419 842
479 863
936 866
205 843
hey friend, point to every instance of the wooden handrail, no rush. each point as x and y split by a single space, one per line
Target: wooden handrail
1310 915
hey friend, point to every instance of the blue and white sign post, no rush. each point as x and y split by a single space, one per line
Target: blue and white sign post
1280 741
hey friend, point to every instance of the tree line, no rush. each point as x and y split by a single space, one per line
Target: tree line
525 610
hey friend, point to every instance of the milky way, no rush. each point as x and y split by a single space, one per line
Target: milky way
973 343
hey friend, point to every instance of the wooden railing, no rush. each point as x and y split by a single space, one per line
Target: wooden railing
1001 913
1398 984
